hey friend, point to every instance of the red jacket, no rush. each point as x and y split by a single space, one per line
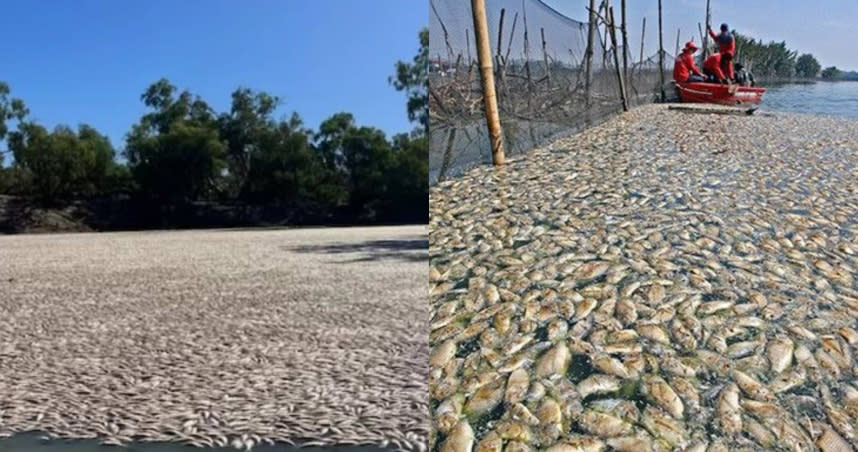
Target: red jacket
684 66
712 65
726 42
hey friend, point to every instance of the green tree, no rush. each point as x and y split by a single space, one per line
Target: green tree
413 78
62 164
831 73
242 129
10 109
807 66
363 157
175 153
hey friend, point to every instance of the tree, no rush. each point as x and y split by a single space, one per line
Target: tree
10 108
175 152
362 156
831 73
242 129
413 78
807 66
62 164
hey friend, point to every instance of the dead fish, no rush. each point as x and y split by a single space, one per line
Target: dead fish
653 332
442 354
779 352
752 387
460 439
516 386
598 384
554 361
729 411
604 425
661 394
579 444
591 270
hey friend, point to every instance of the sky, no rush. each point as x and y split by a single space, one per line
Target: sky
824 29
88 61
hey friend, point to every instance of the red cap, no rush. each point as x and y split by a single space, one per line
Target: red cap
690 45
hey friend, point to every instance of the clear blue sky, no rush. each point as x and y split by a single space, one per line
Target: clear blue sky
824 28
88 61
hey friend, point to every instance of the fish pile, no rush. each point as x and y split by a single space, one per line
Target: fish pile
240 339
661 282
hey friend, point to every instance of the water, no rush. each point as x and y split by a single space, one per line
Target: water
827 98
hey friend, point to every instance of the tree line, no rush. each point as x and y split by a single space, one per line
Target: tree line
183 151
773 59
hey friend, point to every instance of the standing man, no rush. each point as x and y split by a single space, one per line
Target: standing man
684 69
726 47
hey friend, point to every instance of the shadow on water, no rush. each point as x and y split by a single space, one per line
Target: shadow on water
35 442
410 250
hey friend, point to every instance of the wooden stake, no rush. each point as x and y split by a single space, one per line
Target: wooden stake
588 58
484 56
643 36
706 36
660 55
613 33
676 52
625 39
545 57
500 62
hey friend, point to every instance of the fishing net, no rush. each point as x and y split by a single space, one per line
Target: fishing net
540 78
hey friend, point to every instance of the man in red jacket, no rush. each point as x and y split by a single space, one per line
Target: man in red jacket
684 69
712 68
726 47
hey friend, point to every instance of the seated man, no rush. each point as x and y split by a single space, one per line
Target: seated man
684 69
743 77
712 69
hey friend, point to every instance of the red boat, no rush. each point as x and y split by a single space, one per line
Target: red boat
715 93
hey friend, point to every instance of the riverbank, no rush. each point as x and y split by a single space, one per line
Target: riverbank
215 337
662 281
22 215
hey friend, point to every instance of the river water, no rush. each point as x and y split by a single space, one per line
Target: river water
827 98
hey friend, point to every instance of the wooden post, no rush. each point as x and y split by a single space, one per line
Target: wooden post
643 36
660 55
588 58
500 63
484 56
706 36
545 56
676 52
613 30
625 40
468 45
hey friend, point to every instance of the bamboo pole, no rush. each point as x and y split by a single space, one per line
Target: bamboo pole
643 36
613 33
660 55
588 59
500 63
625 39
484 56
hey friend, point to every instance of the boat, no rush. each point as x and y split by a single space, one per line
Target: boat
716 93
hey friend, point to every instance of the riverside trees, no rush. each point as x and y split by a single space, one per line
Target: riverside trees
183 151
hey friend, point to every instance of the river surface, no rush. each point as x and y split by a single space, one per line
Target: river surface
827 98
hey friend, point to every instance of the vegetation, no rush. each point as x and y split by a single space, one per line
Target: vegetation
831 73
182 151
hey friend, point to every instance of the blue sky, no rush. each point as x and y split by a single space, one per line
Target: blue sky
88 61
825 29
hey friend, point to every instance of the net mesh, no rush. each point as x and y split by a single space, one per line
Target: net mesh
540 77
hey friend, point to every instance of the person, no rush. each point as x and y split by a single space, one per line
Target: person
684 69
726 47
712 68
743 77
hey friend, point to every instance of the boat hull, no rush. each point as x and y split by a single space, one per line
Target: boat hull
715 93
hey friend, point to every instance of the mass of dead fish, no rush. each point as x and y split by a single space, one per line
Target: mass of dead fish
651 284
